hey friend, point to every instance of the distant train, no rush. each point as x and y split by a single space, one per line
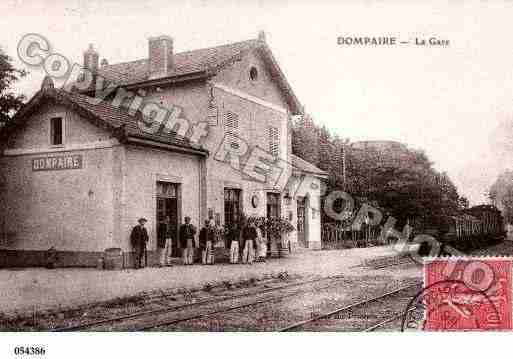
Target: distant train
476 227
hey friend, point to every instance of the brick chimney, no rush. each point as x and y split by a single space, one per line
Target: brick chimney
91 58
160 56
47 83
261 36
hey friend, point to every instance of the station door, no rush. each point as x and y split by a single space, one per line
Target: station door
168 206
301 222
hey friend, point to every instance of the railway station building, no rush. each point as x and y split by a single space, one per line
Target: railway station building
76 174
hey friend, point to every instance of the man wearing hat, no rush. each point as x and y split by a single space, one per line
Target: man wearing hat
139 238
187 243
164 242
206 242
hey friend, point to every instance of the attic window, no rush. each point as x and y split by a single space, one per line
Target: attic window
253 73
56 131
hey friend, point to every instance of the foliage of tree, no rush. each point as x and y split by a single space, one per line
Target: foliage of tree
501 194
463 203
399 180
305 139
9 101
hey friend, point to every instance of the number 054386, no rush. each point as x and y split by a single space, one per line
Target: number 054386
29 350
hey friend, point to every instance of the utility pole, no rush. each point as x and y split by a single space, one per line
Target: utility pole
344 143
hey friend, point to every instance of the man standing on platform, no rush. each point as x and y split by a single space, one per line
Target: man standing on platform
187 243
139 238
234 234
207 241
249 237
165 242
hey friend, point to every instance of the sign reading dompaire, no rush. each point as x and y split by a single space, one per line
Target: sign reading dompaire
68 162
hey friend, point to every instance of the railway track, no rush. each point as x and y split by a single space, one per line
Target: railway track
399 261
171 314
151 319
355 316
165 318
381 263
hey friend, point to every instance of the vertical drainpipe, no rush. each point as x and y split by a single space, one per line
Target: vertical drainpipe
120 239
119 183
114 203
202 190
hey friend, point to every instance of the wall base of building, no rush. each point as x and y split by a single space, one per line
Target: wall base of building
129 259
34 258
315 245
310 245
63 259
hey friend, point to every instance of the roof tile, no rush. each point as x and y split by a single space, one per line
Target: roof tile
118 117
103 114
304 166
188 62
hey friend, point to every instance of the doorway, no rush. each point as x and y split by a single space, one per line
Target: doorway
232 208
232 205
167 206
274 244
302 226
273 205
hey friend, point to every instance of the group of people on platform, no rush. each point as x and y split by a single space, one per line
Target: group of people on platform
247 236
245 240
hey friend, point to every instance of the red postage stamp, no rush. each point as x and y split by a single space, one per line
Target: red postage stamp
467 294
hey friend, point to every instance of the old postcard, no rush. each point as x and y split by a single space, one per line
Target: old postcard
262 166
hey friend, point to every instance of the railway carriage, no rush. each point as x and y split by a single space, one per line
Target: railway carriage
476 227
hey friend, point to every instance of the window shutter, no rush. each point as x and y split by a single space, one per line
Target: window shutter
231 122
212 114
274 141
231 130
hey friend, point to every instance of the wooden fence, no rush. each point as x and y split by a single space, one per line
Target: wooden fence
335 236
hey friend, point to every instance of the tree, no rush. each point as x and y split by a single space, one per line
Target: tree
305 139
463 203
401 181
9 101
501 194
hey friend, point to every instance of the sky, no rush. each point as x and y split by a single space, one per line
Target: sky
454 102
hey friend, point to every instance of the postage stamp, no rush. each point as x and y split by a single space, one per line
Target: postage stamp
465 294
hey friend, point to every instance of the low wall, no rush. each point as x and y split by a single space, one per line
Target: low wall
33 258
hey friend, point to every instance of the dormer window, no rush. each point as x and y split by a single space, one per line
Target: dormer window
56 131
253 74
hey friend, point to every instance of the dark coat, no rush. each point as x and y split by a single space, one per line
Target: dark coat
249 233
139 237
186 231
165 231
233 235
206 234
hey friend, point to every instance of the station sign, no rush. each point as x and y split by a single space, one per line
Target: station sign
67 162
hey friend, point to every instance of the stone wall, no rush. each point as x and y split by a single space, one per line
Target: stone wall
143 168
68 209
